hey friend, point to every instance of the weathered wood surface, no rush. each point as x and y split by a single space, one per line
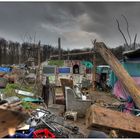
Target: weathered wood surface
66 82
10 119
103 119
127 81
12 106
94 72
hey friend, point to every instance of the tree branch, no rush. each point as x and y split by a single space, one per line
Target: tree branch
135 41
121 32
127 28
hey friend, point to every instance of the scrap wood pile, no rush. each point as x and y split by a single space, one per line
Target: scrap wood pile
102 116
40 121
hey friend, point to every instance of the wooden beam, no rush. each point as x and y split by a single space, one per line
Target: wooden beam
59 48
10 119
12 106
38 75
103 119
72 54
94 72
127 81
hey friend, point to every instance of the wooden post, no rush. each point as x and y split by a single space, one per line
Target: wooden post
38 82
38 73
59 47
129 84
94 71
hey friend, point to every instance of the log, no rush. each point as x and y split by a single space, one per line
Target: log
103 119
10 119
127 81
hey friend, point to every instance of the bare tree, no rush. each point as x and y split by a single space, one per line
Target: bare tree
121 32
130 40
127 28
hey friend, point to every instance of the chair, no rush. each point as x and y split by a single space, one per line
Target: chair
75 103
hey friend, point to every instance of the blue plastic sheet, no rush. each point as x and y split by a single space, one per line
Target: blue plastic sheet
5 69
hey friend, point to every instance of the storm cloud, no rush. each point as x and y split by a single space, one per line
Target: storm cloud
77 23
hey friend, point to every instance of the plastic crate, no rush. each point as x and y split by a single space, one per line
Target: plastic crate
43 133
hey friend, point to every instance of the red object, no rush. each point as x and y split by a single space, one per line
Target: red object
43 133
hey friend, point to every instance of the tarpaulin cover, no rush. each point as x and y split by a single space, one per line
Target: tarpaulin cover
132 68
5 69
119 90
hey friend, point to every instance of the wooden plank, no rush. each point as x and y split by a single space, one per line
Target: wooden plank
13 106
10 119
72 54
127 81
103 119
94 72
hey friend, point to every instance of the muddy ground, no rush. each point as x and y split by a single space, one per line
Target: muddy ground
99 98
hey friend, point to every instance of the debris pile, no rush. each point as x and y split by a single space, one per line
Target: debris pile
43 109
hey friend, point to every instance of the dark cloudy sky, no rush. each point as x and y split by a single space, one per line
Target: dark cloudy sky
76 22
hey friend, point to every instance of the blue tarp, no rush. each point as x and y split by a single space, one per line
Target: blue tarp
5 69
